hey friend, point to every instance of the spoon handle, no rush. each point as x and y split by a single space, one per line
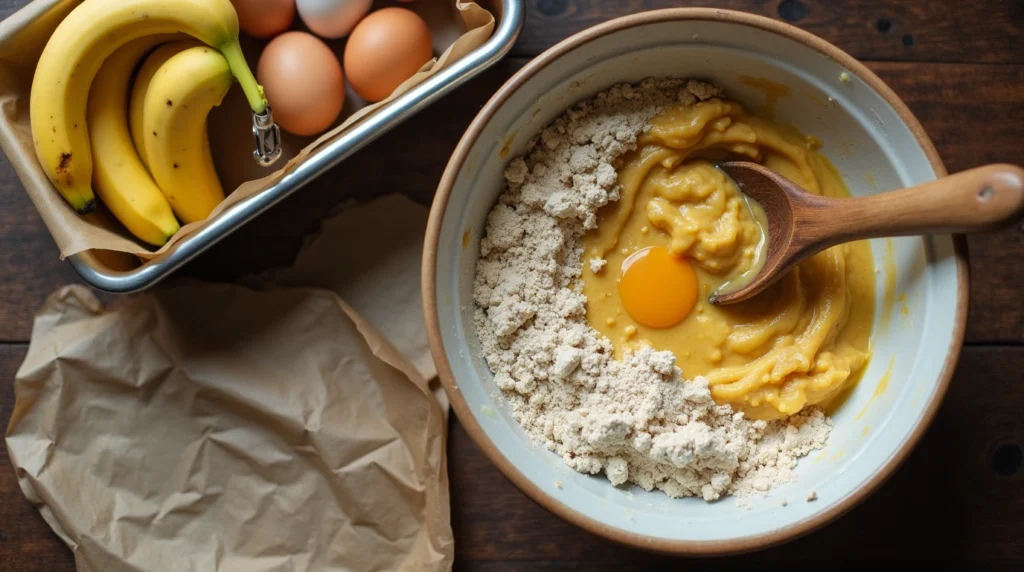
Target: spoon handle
979 199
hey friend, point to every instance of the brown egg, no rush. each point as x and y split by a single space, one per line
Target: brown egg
385 49
303 82
264 18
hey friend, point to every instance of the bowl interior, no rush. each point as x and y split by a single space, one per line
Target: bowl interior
915 315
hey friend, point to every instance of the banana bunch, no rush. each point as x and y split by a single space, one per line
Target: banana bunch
142 147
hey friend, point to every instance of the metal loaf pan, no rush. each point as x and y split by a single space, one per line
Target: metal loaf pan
509 20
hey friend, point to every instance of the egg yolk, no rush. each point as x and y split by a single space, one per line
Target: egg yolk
658 290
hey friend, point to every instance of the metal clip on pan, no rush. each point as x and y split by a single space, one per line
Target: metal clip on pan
267 136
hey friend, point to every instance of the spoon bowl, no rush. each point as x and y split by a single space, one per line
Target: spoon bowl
801 224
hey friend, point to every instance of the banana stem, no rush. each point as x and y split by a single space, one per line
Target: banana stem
240 69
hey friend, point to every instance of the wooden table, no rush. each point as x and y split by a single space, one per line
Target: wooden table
960 68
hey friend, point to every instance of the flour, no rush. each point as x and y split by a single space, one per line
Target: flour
636 420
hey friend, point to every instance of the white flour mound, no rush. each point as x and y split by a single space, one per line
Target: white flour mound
636 420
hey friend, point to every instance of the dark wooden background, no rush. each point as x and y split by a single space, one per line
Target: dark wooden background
960 68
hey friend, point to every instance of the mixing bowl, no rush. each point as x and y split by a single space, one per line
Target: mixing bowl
877 145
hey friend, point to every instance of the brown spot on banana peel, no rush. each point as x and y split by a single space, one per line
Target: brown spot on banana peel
63 168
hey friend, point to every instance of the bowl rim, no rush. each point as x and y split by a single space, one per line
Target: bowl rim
464 412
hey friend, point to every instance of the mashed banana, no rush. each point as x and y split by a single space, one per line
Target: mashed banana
800 342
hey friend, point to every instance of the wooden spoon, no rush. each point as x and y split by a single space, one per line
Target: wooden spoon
801 224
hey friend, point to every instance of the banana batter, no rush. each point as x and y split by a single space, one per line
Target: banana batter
797 344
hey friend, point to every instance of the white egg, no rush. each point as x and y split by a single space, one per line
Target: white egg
332 18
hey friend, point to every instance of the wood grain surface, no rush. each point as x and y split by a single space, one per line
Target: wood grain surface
906 30
960 68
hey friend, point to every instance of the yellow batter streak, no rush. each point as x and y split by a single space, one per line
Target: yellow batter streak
798 343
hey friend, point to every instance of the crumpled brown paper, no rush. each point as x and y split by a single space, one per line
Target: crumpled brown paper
381 281
22 38
209 427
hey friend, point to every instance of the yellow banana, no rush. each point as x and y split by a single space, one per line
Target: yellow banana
178 99
119 177
74 54
142 80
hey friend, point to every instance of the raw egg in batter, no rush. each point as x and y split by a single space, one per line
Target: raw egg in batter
658 290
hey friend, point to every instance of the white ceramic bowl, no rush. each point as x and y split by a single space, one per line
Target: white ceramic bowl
875 142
